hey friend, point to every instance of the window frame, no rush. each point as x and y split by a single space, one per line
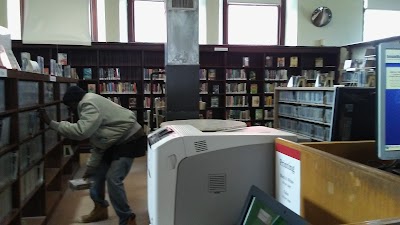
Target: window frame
281 20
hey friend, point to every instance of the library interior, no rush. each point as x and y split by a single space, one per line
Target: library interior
199 112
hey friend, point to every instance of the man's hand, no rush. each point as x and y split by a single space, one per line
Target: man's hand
89 172
42 114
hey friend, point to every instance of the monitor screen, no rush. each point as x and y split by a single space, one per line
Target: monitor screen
388 89
354 114
262 209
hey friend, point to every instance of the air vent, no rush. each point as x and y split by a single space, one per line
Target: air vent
217 183
200 146
182 4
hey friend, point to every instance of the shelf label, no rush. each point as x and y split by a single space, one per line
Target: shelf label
288 177
53 78
3 73
220 49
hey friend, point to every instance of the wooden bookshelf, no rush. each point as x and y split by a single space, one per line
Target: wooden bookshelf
132 59
31 173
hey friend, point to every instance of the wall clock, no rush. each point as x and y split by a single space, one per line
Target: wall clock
321 16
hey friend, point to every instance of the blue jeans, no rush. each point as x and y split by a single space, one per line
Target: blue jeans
114 174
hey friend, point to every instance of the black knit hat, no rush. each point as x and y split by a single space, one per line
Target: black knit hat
73 94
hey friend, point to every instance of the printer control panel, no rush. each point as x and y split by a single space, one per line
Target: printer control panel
160 135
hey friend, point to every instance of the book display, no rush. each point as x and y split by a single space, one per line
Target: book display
34 171
235 82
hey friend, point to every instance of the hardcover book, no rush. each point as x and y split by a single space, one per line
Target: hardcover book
91 88
62 58
281 62
268 61
294 60
87 73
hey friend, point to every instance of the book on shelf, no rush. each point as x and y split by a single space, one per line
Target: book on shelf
246 61
258 114
280 62
268 61
212 73
25 58
40 61
294 60
214 101
53 67
269 101
67 71
132 103
87 73
202 74
46 71
253 88
4 61
91 88
4 131
203 88
319 62
215 89
255 101
12 59
62 58
252 75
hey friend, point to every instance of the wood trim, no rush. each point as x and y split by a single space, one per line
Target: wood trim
282 23
225 22
131 20
94 23
203 48
22 11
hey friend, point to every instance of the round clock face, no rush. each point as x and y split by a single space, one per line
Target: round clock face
321 16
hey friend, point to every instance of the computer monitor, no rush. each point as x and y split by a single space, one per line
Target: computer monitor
262 209
354 114
388 97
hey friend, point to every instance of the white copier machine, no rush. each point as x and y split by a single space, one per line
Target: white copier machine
202 178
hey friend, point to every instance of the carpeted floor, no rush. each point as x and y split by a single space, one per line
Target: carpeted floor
74 204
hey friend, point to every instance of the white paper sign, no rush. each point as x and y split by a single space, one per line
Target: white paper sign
392 56
288 177
392 77
53 78
3 73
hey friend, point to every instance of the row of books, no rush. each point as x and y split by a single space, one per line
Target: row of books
120 87
28 93
5 203
8 168
30 152
238 114
5 124
316 114
108 74
155 88
31 180
57 68
154 74
313 97
311 130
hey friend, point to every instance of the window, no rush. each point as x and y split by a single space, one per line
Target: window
253 24
150 21
151 25
375 24
14 19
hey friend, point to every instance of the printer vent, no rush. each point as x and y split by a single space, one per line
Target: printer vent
200 146
217 183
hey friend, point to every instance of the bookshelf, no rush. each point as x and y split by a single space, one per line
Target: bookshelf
34 168
265 67
305 111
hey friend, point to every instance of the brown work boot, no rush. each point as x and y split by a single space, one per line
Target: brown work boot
132 220
97 214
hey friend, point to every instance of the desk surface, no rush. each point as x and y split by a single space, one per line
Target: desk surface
208 125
